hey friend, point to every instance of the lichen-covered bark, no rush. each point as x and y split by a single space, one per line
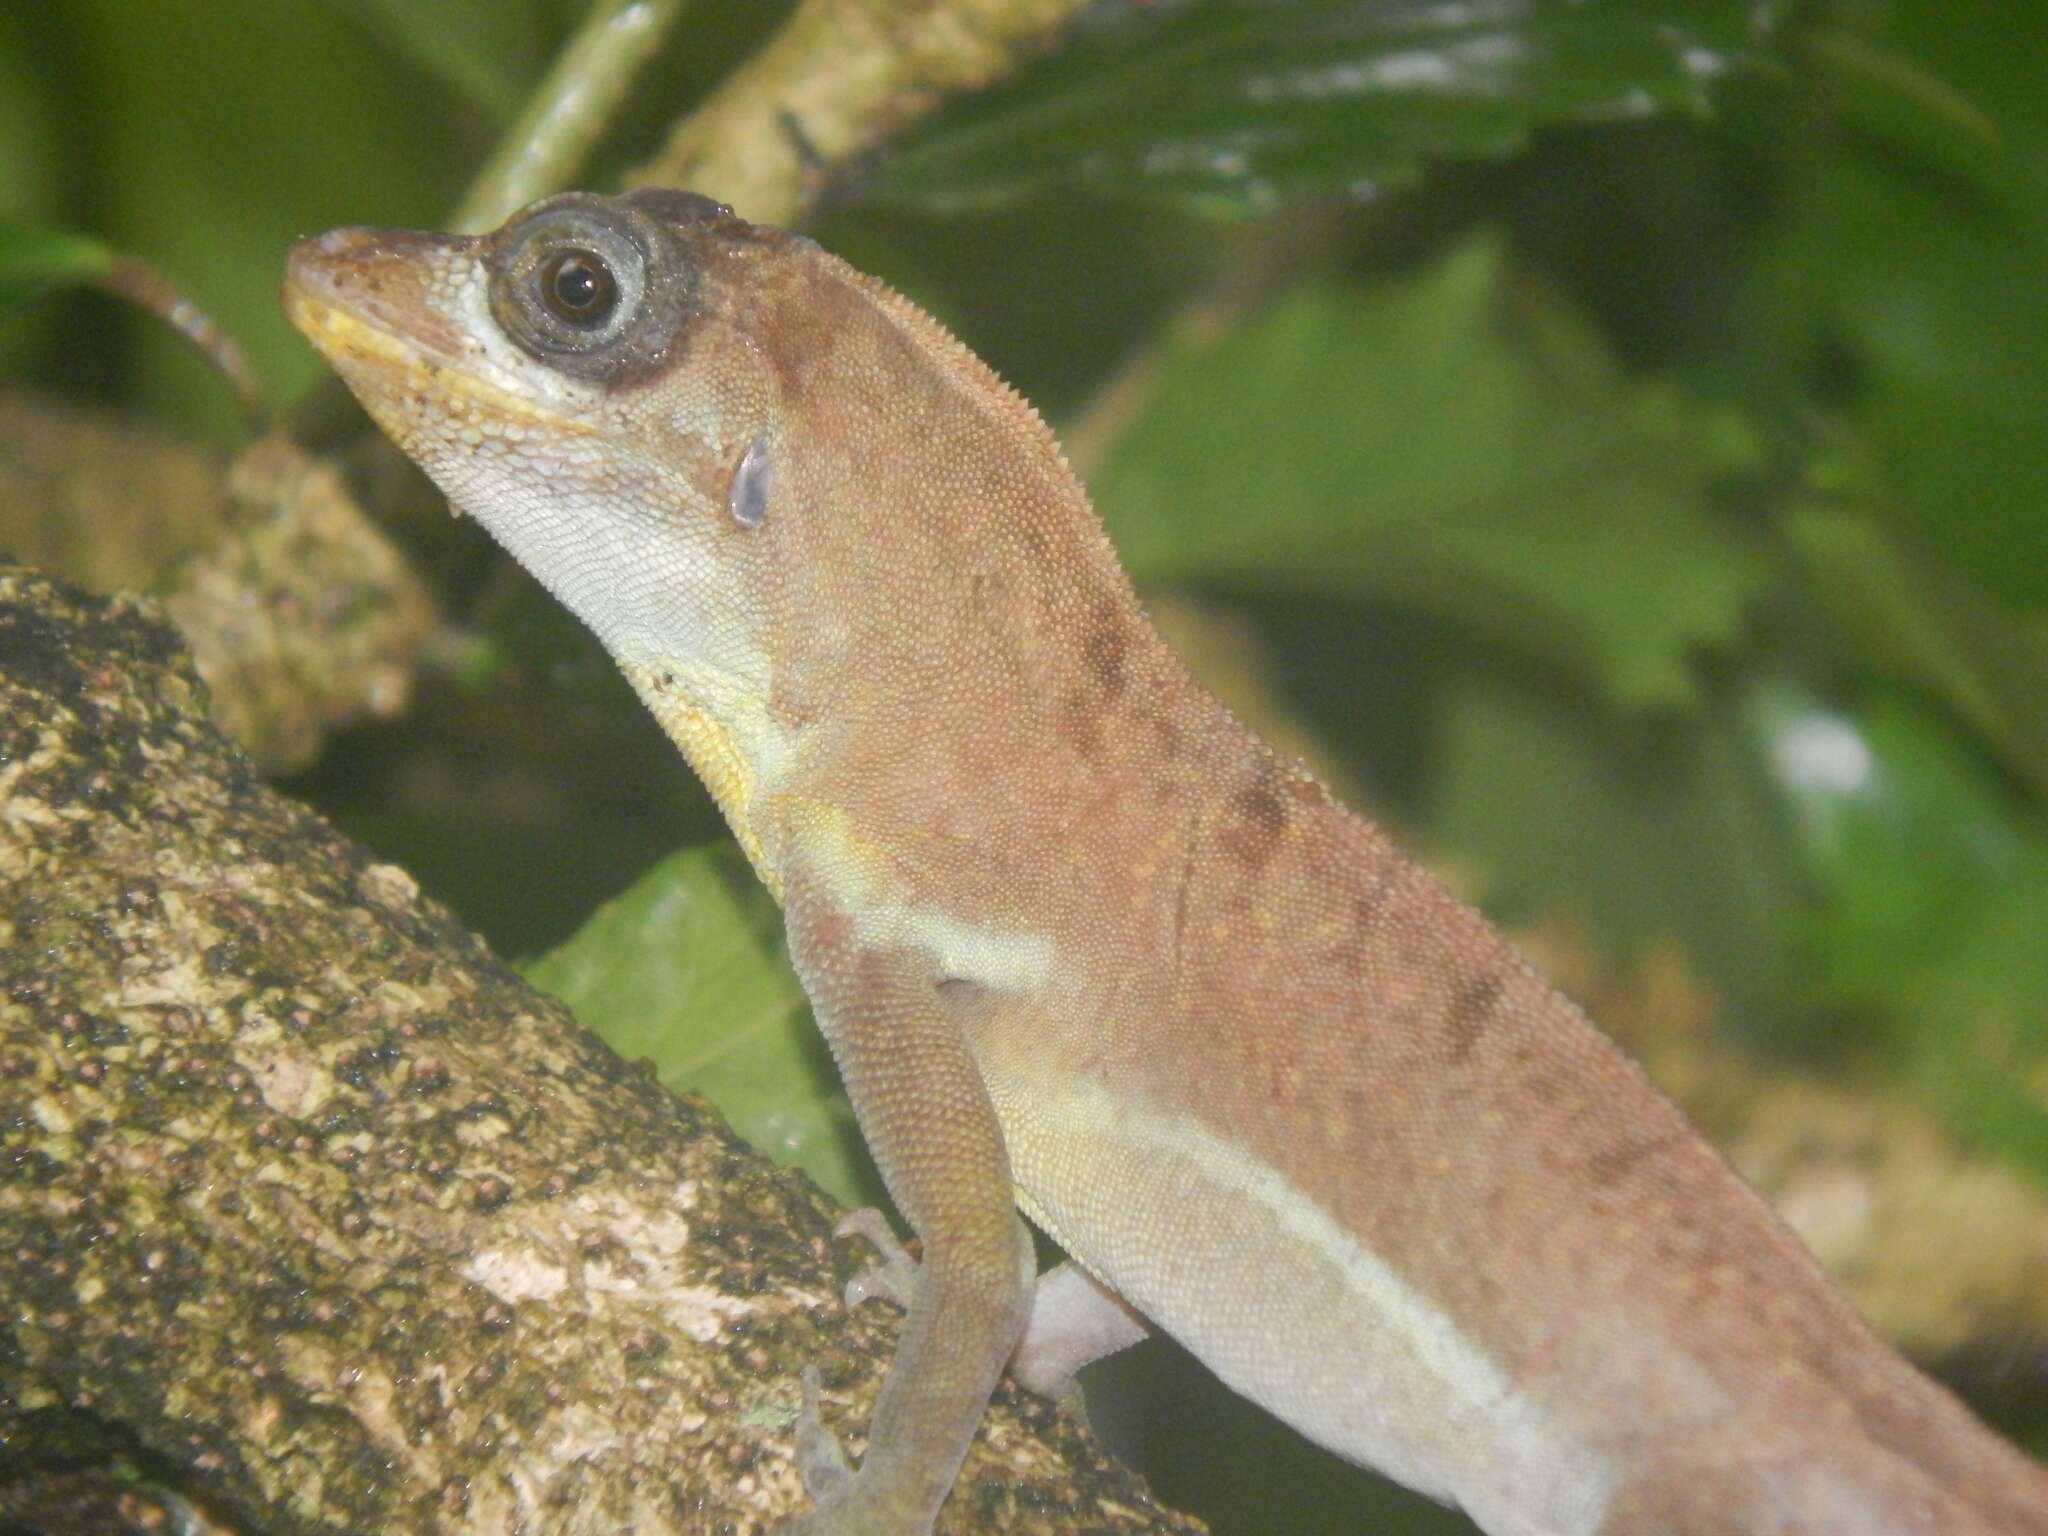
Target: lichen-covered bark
302 615
98 1501
306 1196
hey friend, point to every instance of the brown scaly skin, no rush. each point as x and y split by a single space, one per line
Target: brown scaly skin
1067 924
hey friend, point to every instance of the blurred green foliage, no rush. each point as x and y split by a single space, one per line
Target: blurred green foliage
35 260
1640 478
1532 532
1237 108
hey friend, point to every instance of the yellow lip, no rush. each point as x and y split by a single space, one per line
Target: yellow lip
342 336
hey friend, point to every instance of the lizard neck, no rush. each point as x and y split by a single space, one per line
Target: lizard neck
730 739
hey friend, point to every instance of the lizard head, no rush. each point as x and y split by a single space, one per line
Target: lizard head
583 381
779 493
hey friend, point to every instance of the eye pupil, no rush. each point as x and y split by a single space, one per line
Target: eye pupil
578 288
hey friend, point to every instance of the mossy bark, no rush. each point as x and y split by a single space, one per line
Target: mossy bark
311 1201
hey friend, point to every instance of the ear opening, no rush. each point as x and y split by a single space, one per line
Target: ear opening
752 483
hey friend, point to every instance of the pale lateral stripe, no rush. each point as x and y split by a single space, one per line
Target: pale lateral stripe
1290 1308
858 882
999 959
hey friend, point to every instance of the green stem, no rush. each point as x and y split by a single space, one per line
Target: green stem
571 108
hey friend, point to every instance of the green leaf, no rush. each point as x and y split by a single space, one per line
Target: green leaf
1940 317
1981 1048
1236 107
263 123
1926 884
1919 621
34 260
1407 442
1952 86
1901 271
686 969
1897 98
1900 830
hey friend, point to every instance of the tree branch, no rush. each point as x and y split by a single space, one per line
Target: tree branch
312 1200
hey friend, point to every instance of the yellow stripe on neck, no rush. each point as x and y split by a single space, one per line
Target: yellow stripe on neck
709 745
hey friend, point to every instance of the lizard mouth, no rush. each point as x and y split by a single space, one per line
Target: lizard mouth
387 309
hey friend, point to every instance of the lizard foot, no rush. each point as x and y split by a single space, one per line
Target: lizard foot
1074 1319
894 1279
820 1461
840 1507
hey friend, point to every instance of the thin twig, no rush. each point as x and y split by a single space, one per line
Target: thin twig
570 110
145 287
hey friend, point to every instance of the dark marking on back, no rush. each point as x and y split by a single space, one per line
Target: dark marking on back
1262 808
800 330
987 589
1470 1012
1616 1163
1106 650
1258 820
1256 826
1373 903
1035 531
1307 792
1081 724
1166 737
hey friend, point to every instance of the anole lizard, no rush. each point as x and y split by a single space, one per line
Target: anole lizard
1081 941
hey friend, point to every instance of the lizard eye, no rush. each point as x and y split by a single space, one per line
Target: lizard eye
570 284
597 288
578 288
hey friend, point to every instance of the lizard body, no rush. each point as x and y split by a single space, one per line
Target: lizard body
1075 934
